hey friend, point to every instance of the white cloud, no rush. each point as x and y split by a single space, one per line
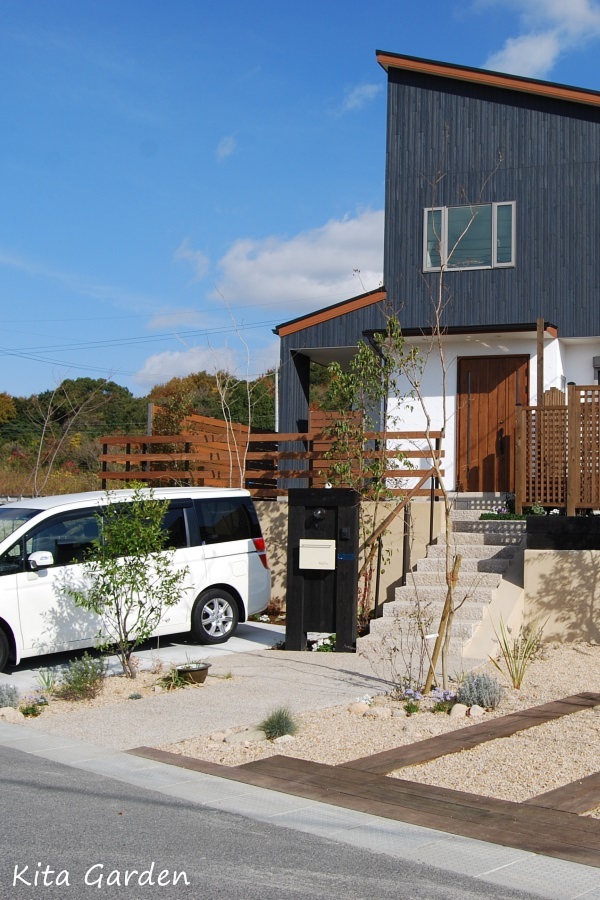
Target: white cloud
177 363
311 269
550 28
359 96
531 55
199 261
226 146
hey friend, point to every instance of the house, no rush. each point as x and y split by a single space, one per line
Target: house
492 186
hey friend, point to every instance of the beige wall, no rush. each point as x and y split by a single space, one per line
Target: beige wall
273 519
563 586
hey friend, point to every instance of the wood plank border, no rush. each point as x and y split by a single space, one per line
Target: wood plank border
473 735
548 824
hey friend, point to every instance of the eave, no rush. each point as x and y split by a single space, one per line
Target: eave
489 78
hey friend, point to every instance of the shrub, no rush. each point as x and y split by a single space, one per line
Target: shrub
33 706
9 695
519 651
83 679
278 723
480 690
444 700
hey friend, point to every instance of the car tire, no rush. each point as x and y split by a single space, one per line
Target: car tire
4 650
215 617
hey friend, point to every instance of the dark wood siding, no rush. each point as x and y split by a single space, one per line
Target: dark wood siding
550 166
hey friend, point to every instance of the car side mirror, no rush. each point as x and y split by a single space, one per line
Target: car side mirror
41 559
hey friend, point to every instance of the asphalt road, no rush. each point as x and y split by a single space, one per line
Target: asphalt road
62 826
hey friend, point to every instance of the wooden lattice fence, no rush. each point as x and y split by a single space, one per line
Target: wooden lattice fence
558 451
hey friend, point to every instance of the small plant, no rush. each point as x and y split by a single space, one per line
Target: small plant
480 690
278 723
83 678
519 651
9 695
173 680
412 701
33 706
324 645
135 697
444 700
47 680
366 698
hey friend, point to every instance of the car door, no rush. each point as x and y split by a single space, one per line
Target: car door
48 615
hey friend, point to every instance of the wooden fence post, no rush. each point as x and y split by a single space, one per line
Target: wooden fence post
520 461
573 448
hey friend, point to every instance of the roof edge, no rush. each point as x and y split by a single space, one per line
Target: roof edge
488 77
331 312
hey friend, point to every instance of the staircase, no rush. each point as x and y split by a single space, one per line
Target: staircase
487 548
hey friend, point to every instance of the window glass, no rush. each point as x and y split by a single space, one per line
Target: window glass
174 524
434 238
67 537
227 519
504 231
469 236
11 560
11 519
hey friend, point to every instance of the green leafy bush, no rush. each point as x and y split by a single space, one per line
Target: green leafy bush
278 723
480 690
9 695
83 679
33 706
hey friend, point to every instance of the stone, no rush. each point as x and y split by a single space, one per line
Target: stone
284 739
476 711
249 736
218 736
399 714
381 700
157 689
459 711
10 714
359 707
378 712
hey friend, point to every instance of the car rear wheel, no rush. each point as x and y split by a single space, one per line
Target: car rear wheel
215 617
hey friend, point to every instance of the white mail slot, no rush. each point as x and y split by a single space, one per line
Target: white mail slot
317 554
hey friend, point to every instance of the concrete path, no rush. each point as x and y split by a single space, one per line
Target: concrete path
499 868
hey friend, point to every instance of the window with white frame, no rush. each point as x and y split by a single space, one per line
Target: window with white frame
469 237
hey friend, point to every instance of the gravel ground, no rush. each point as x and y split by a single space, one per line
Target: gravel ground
320 689
516 768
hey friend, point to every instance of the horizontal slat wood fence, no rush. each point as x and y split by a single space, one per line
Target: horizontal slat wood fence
211 454
557 451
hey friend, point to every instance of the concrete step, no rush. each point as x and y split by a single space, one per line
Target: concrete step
485 538
470 611
413 595
465 579
516 527
474 551
497 564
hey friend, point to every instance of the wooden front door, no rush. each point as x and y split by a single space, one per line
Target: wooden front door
489 389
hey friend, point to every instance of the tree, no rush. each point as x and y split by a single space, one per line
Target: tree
361 394
129 574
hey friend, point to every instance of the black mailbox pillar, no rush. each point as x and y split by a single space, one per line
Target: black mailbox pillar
322 566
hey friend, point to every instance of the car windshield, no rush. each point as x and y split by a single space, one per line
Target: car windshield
11 519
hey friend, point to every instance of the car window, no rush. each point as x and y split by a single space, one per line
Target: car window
174 524
11 560
67 537
228 519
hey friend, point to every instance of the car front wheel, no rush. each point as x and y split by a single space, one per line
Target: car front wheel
215 617
4 650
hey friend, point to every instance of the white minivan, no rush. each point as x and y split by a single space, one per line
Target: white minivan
216 538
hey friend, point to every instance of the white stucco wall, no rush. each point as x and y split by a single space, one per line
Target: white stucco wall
563 361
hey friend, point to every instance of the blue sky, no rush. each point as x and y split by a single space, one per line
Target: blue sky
178 178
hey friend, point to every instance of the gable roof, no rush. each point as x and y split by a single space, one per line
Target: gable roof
486 77
331 312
